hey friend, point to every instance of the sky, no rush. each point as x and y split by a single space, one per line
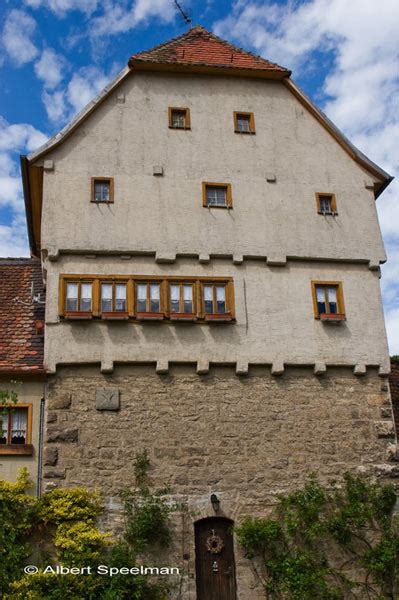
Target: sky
56 55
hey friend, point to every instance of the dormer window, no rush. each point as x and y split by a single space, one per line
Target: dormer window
244 122
102 190
179 118
216 195
326 204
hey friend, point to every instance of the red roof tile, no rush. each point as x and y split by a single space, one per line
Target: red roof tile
394 385
21 320
199 47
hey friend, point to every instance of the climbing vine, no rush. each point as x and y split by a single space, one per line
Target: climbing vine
318 537
63 525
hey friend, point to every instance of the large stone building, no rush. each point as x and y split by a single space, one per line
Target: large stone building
211 252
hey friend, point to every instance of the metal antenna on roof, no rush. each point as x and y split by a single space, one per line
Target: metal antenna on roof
183 13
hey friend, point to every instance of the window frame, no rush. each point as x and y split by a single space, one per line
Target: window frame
21 449
150 315
333 203
229 197
111 190
187 117
229 299
340 315
181 315
113 314
131 292
77 314
237 114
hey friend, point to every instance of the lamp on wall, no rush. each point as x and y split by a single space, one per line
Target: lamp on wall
215 503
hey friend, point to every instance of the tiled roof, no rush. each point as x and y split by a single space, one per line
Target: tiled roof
394 385
21 319
202 48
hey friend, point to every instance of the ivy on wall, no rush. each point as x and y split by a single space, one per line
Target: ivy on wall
320 538
63 525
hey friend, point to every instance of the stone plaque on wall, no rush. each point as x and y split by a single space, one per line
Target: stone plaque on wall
107 398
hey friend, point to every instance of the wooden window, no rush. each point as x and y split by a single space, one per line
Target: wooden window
141 297
244 122
216 301
179 118
217 195
181 300
102 190
113 299
78 298
326 204
328 300
16 429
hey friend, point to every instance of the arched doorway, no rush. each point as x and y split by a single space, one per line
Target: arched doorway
214 559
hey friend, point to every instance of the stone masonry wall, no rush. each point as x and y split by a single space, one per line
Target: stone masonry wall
244 438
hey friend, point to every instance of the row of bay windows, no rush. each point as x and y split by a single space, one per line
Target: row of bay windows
187 299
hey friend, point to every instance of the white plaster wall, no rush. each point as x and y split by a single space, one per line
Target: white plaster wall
165 214
29 392
275 323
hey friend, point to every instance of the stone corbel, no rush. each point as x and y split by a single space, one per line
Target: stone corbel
107 366
238 259
204 258
320 368
360 369
165 257
276 260
278 368
203 367
242 367
162 366
53 253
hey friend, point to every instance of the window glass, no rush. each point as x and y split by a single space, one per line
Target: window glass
85 297
325 204
332 300
321 300
120 297
208 298
154 297
175 298
3 428
178 119
216 196
106 297
142 297
243 123
188 298
101 191
72 297
19 421
220 299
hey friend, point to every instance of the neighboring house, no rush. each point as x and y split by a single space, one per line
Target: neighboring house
211 250
21 366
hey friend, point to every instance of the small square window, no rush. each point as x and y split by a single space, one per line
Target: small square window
244 122
328 301
326 204
179 118
102 190
216 195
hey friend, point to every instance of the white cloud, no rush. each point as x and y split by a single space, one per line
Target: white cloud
60 7
16 37
361 89
55 105
50 68
120 17
84 86
13 238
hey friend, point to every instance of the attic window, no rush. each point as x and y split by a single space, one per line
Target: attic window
216 195
179 118
244 122
326 204
102 190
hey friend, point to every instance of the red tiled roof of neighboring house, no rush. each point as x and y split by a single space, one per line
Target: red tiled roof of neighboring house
394 385
201 48
21 319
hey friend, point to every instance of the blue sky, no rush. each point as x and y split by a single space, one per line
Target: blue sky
55 55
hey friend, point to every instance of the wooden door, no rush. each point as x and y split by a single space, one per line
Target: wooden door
214 559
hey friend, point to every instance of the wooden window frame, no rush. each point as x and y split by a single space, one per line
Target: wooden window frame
329 317
229 196
333 203
181 315
20 449
115 315
237 114
77 314
111 190
164 281
187 117
149 315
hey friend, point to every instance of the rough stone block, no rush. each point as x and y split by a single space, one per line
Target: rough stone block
384 429
386 412
54 474
51 417
62 435
60 402
50 456
107 398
